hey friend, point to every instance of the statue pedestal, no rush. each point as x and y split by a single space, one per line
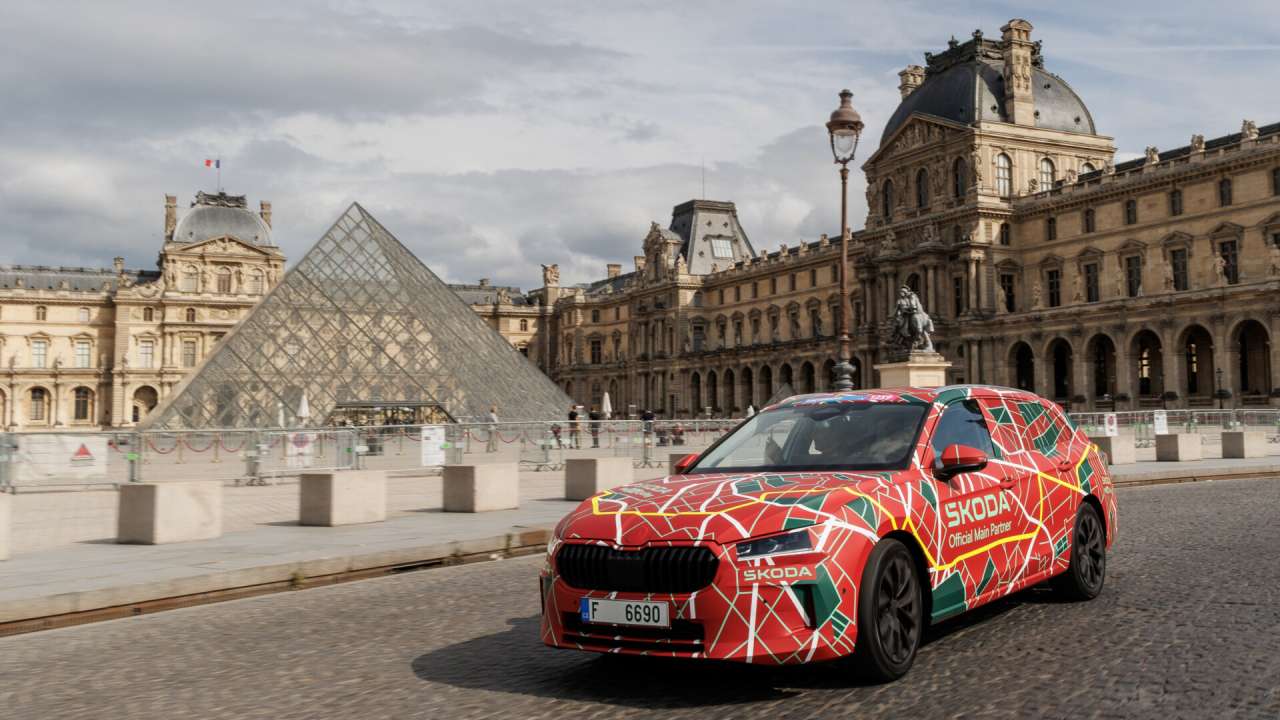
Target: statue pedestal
917 369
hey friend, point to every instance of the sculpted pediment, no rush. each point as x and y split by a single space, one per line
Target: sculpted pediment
915 133
225 245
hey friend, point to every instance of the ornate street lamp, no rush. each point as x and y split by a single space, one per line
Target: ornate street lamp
844 128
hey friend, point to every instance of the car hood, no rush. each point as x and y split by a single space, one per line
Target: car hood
723 508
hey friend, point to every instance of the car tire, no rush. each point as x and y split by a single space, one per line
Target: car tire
1087 569
890 613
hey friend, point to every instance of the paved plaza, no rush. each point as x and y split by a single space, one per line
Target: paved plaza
1186 628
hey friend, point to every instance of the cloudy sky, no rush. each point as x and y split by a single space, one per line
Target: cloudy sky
494 136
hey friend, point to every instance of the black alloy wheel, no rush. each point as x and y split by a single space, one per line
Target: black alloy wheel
890 612
1087 571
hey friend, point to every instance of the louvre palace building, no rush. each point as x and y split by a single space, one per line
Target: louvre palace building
1045 264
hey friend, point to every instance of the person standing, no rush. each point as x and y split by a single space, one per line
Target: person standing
595 416
493 429
573 426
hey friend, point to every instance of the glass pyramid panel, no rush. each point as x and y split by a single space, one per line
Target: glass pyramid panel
358 320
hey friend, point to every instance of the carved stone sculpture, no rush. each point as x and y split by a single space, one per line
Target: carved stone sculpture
1197 143
1153 155
911 324
1275 261
551 275
1220 269
1036 291
1248 130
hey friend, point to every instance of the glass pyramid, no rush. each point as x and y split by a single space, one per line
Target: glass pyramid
358 321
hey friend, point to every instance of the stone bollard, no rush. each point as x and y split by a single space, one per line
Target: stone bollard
1178 447
1244 444
584 477
6 525
1119 450
168 512
481 488
342 497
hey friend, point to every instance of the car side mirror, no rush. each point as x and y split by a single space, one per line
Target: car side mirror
956 459
684 463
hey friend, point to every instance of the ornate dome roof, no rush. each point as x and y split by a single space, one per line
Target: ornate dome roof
965 84
221 215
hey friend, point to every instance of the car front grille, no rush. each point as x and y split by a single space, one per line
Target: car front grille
649 570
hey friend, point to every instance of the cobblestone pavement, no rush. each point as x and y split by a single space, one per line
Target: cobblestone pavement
1188 626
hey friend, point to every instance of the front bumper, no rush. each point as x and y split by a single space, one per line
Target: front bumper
785 610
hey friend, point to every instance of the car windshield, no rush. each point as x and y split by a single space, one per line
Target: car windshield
820 436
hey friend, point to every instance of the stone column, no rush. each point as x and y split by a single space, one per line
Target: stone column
972 280
1040 364
1124 371
1080 367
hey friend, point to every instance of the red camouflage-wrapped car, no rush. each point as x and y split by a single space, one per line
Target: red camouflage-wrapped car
836 524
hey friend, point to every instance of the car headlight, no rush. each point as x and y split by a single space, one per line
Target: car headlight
794 541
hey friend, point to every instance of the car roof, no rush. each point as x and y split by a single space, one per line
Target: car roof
917 394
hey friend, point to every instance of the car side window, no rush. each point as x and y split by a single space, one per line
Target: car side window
961 424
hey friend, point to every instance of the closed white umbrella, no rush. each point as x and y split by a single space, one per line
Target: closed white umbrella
304 408
606 406
280 414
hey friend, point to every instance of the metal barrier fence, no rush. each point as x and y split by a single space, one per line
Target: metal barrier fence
1208 424
51 460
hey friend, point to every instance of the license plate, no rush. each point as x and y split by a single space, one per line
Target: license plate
625 612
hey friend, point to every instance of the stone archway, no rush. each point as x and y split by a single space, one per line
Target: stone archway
1060 358
808 381
785 376
145 399
695 394
1022 367
1198 366
1100 353
713 391
746 382
766 384
730 387
1147 358
1251 345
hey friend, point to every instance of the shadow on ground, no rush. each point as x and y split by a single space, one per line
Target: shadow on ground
515 661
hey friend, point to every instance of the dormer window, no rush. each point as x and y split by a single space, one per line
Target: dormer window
721 248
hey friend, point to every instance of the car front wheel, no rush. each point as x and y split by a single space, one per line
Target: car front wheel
1088 569
890 613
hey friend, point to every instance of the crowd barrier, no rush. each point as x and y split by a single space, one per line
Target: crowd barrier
75 459
1208 424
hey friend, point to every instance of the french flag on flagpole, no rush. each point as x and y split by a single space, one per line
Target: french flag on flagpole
213 163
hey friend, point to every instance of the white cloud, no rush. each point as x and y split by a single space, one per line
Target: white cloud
492 137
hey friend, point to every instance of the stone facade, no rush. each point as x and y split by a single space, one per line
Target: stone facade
1045 264
84 348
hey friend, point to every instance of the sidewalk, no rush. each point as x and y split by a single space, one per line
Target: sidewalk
96 574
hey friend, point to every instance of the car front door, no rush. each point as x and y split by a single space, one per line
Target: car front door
981 527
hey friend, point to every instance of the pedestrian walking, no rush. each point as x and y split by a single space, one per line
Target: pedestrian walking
493 429
573 426
595 416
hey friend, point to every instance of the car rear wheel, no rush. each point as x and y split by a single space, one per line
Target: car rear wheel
890 613
1087 572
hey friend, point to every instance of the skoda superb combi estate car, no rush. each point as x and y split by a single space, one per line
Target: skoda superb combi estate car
836 524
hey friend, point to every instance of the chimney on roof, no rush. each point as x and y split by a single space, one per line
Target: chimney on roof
170 216
912 77
613 270
118 264
1016 45
265 212
639 263
484 282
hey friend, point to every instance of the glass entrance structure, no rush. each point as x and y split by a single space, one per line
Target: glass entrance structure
360 327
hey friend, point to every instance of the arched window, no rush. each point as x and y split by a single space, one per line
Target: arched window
255 282
148 314
83 404
1224 192
191 314
1087 168
224 280
1004 175
190 280
42 313
957 178
524 325
922 188
39 409
1047 174
887 200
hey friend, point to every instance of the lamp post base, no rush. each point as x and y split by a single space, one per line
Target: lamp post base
843 372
